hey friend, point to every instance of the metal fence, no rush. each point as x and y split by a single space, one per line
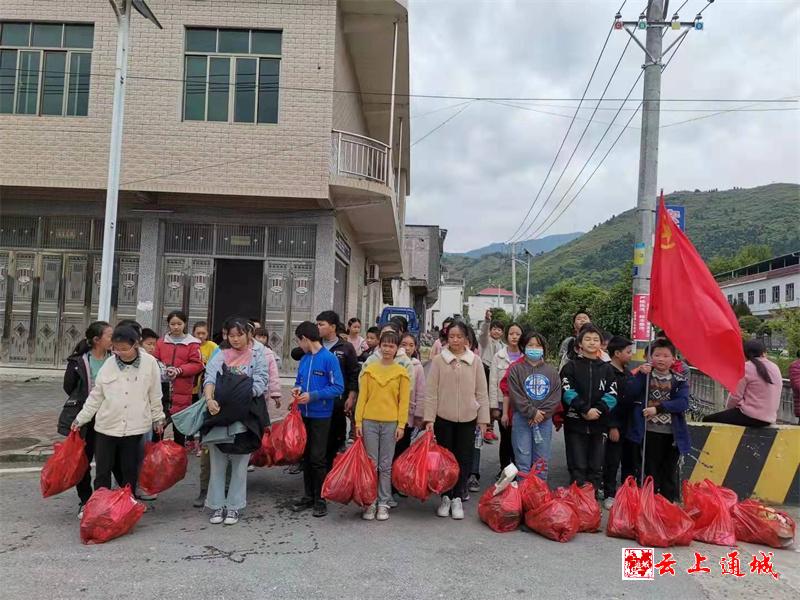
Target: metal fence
358 156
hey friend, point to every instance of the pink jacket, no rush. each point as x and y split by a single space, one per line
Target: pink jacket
274 388
755 397
794 379
417 404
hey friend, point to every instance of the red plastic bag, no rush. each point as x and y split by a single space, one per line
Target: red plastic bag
555 520
759 524
586 506
660 522
109 514
501 512
264 456
533 490
709 507
442 469
353 477
289 438
622 517
425 467
66 467
163 466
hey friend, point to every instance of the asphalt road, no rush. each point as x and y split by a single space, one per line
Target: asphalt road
174 553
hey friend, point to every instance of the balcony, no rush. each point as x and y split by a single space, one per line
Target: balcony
360 157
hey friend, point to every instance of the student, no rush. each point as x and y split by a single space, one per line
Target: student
354 336
180 352
329 325
318 385
402 358
236 424
83 366
606 337
456 401
589 392
125 403
794 380
490 341
617 447
679 366
261 337
659 403
757 398
568 349
381 416
534 391
441 341
371 341
502 360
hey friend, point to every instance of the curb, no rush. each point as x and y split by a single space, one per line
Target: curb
21 456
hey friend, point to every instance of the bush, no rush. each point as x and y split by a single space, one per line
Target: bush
749 323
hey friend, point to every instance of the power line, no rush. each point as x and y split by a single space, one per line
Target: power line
544 112
442 124
722 112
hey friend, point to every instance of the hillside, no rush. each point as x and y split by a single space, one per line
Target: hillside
718 223
545 244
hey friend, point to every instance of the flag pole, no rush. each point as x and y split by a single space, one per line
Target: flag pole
646 399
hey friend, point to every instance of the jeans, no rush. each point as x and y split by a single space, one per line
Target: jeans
734 416
110 450
584 457
459 438
236 496
661 461
379 441
526 450
315 466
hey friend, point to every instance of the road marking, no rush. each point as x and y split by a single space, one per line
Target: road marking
20 470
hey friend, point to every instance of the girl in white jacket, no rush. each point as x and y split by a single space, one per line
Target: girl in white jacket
126 403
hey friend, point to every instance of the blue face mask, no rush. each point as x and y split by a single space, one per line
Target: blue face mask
534 353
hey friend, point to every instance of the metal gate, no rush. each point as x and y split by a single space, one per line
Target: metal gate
187 285
288 296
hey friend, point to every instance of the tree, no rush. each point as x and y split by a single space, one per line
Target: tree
740 309
749 323
747 255
787 321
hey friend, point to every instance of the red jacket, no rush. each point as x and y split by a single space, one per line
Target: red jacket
184 354
794 380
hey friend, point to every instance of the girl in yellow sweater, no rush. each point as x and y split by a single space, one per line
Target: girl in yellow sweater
381 415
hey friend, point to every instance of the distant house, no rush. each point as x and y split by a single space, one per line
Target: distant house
449 303
491 297
765 286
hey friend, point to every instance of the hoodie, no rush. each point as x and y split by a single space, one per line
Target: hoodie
533 387
587 383
320 375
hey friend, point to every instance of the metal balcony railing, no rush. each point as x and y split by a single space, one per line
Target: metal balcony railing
357 156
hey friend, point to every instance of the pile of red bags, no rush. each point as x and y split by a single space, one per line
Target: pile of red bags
709 506
622 517
584 504
264 456
353 477
109 514
501 511
66 467
163 466
556 519
759 524
661 523
288 439
533 490
425 468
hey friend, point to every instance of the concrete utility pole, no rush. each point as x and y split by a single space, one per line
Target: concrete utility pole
528 282
513 280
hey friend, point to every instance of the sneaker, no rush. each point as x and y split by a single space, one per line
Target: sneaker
251 468
383 513
147 497
295 469
473 484
608 502
80 512
369 513
232 518
303 504
200 501
217 517
457 511
444 507
320 509
392 503
466 497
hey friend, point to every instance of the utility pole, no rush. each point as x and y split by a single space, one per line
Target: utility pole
513 280
528 282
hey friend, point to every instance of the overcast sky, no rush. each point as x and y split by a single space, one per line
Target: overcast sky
477 175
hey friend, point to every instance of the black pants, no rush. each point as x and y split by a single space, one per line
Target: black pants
109 449
623 453
315 466
338 433
631 460
734 416
84 486
459 438
506 448
661 461
584 457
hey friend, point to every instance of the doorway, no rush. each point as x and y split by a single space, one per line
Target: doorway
237 290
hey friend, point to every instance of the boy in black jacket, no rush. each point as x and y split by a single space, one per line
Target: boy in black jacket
589 393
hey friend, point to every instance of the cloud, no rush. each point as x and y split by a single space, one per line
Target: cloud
478 174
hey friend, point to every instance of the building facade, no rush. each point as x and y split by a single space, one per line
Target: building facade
766 286
449 303
487 298
265 164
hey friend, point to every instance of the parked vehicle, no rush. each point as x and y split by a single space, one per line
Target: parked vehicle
400 311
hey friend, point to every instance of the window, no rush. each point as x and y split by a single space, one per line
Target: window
789 292
776 294
751 297
231 75
44 68
730 298
762 296
740 297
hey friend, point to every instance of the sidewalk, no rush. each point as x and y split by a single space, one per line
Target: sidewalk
29 415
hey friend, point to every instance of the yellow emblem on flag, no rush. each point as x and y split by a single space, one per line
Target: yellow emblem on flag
666 237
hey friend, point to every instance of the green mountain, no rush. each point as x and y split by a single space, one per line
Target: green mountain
719 223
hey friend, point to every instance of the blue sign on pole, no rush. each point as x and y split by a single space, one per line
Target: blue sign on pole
678 214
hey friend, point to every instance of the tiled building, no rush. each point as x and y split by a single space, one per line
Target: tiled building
766 286
258 174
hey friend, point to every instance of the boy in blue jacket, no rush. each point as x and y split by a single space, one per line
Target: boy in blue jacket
318 384
659 414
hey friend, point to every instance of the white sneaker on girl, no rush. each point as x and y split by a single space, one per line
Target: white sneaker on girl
444 507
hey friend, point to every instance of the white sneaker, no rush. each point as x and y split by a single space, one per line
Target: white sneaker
232 517
608 502
457 511
80 513
217 517
251 468
444 507
383 513
369 513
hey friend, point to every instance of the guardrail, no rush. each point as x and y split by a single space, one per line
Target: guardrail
354 155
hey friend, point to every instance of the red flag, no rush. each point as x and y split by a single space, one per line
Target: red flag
686 302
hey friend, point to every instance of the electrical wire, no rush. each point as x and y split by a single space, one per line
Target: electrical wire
442 124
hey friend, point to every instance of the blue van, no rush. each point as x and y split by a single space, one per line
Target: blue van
400 311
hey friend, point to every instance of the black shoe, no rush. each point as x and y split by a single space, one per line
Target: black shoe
303 504
320 509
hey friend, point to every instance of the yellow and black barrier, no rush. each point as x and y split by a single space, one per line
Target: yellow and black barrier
761 463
